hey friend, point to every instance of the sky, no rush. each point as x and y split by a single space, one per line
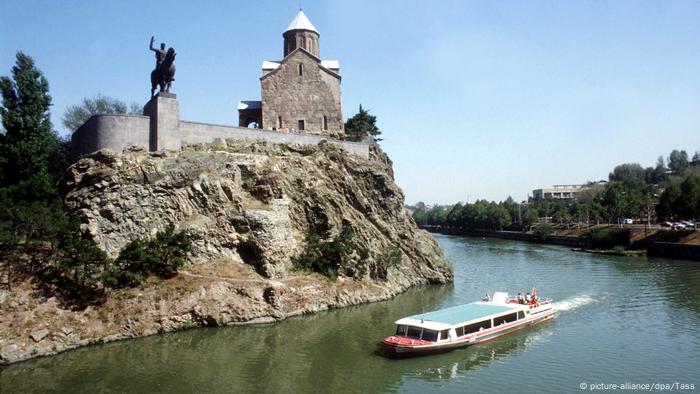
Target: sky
475 99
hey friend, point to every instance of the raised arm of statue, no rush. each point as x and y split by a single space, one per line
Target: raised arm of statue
151 46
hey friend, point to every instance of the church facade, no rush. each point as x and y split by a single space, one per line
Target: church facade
301 92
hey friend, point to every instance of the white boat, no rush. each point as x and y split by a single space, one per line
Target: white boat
466 325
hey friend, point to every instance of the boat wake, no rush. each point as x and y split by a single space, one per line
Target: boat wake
575 302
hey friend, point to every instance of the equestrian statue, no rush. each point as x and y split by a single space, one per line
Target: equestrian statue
164 73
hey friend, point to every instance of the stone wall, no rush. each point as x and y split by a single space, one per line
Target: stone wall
116 132
308 97
196 133
163 130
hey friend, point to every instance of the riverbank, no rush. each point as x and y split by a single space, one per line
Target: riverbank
663 243
205 295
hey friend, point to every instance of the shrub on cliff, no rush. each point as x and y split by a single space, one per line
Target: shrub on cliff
330 257
162 256
389 258
79 270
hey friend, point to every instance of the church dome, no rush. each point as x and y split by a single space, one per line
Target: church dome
301 22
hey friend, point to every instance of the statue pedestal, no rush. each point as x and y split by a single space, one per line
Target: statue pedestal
164 111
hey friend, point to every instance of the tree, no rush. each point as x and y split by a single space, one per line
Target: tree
361 125
668 203
530 217
76 115
454 217
626 171
689 203
498 216
513 209
161 256
28 139
678 161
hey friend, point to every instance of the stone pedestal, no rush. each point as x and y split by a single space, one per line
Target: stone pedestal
164 111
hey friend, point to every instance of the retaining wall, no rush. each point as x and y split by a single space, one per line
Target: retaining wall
674 250
197 132
116 132
164 130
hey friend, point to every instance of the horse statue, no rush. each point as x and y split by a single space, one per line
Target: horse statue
164 73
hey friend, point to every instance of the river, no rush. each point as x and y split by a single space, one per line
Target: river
623 320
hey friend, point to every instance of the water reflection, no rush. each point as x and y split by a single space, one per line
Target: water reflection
455 364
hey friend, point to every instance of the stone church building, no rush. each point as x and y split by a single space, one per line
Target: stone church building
301 92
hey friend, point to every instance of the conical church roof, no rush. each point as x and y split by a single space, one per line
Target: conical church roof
301 22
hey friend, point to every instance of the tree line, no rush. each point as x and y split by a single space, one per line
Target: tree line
670 190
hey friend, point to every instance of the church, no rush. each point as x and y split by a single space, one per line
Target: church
301 92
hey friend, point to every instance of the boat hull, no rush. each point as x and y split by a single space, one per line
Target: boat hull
391 348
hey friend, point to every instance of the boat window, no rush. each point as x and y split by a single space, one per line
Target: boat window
444 334
505 319
521 315
477 327
430 335
401 330
414 332
460 331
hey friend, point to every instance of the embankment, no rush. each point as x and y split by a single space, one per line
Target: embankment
664 243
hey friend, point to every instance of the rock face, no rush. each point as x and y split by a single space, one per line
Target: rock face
251 202
248 207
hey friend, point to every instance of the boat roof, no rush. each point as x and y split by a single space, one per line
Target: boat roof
445 318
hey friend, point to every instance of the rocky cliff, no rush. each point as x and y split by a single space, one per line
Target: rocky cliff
247 206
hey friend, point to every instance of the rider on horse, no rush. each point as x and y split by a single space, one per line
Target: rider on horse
164 73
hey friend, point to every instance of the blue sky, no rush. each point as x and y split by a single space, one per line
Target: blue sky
475 99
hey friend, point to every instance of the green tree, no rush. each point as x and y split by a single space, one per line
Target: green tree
512 207
361 125
530 217
420 216
498 216
668 202
689 202
76 115
627 171
678 161
81 265
28 141
162 255
454 217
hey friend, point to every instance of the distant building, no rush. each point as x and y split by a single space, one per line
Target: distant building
301 92
563 192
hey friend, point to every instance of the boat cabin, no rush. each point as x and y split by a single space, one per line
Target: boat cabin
461 321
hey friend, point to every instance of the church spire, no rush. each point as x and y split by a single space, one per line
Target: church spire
301 22
301 33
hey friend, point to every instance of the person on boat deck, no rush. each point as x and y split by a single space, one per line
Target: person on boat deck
528 298
487 297
520 298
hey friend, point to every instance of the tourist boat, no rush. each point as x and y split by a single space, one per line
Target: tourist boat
466 325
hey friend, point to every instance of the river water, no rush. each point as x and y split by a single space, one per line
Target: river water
623 320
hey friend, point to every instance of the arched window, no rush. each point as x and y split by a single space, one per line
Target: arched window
301 69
